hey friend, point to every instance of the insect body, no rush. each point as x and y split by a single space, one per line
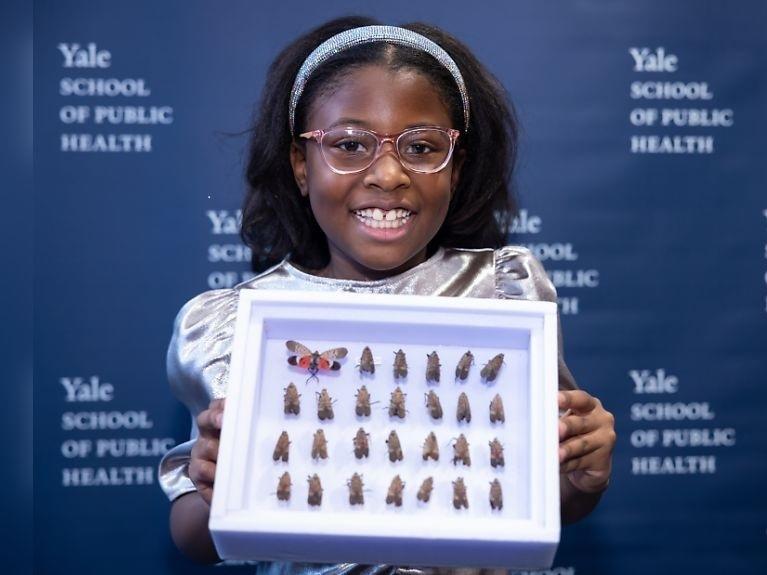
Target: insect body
355 490
432 367
400 365
363 402
366 362
319 445
462 369
496 410
361 444
424 493
283 487
324 405
313 361
431 447
496 453
292 404
459 494
463 412
496 495
395 491
490 371
397 403
395 447
315 491
282 449
461 451
433 404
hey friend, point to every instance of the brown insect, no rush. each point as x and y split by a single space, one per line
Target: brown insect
496 495
431 447
433 404
395 491
281 450
496 410
395 447
313 361
319 445
496 453
462 369
459 494
432 367
292 404
490 371
400 364
363 402
366 362
424 492
315 490
397 403
324 405
461 451
463 412
283 487
361 444
355 490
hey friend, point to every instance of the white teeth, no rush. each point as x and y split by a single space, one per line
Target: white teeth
378 214
379 219
391 215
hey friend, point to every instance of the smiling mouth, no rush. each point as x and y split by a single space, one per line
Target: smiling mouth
378 218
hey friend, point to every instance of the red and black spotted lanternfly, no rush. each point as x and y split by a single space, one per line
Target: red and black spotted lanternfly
462 369
496 453
496 495
431 447
283 487
496 410
367 365
395 491
400 365
362 407
490 371
432 367
424 492
361 444
433 405
324 405
461 451
319 445
459 494
463 411
397 404
313 361
355 490
292 404
395 447
315 491
282 449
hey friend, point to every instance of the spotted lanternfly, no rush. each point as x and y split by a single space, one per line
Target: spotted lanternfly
283 487
363 402
355 490
315 491
395 447
324 405
432 367
397 403
496 453
361 444
292 404
424 492
366 362
496 495
461 451
496 410
313 361
281 450
463 412
462 369
395 491
431 447
459 494
490 371
319 445
400 364
433 405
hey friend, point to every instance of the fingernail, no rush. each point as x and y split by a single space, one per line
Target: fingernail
562 453
219 419
562 429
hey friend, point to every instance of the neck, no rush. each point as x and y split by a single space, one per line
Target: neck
344 268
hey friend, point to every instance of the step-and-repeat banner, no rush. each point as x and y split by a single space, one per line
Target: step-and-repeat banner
642 180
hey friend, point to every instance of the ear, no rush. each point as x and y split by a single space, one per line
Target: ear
298 162
458 158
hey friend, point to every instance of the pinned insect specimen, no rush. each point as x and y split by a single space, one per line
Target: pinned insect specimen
324 405
313 361
490 371
395 491
461 451
496 410
395 447
431 447
283 487
361 444
463 412
281 450
397 403
462 369
496 495
366 362
292 404
432 367
355 490
459 494
363 402
400 365
319 445
433 405
315 491
424 492
496 453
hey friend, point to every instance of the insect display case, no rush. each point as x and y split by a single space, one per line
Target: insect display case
406 430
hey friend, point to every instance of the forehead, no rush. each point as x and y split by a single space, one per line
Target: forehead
380 99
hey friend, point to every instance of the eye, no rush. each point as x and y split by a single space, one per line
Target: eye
418 148
350 146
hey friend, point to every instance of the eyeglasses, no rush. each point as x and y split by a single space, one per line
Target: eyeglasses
423 150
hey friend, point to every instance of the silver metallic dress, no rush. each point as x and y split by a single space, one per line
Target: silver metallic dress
199 352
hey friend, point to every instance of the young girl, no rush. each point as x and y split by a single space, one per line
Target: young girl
379 163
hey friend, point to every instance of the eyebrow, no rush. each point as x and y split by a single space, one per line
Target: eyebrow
362 124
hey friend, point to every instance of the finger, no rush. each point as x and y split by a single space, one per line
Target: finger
579 446
202 472
589 481
596 461
572 425
205 448
206 492
577 400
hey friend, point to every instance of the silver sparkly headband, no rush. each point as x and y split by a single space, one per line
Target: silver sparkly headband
367 35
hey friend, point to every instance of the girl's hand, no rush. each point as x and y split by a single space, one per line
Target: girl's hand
586 441
202 466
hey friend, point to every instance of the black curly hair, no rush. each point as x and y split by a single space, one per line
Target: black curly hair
277 220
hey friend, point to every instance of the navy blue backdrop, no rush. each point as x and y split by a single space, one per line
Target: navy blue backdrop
642 178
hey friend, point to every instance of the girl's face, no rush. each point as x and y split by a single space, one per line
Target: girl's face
386 102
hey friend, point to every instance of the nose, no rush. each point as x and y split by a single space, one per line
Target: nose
386 172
